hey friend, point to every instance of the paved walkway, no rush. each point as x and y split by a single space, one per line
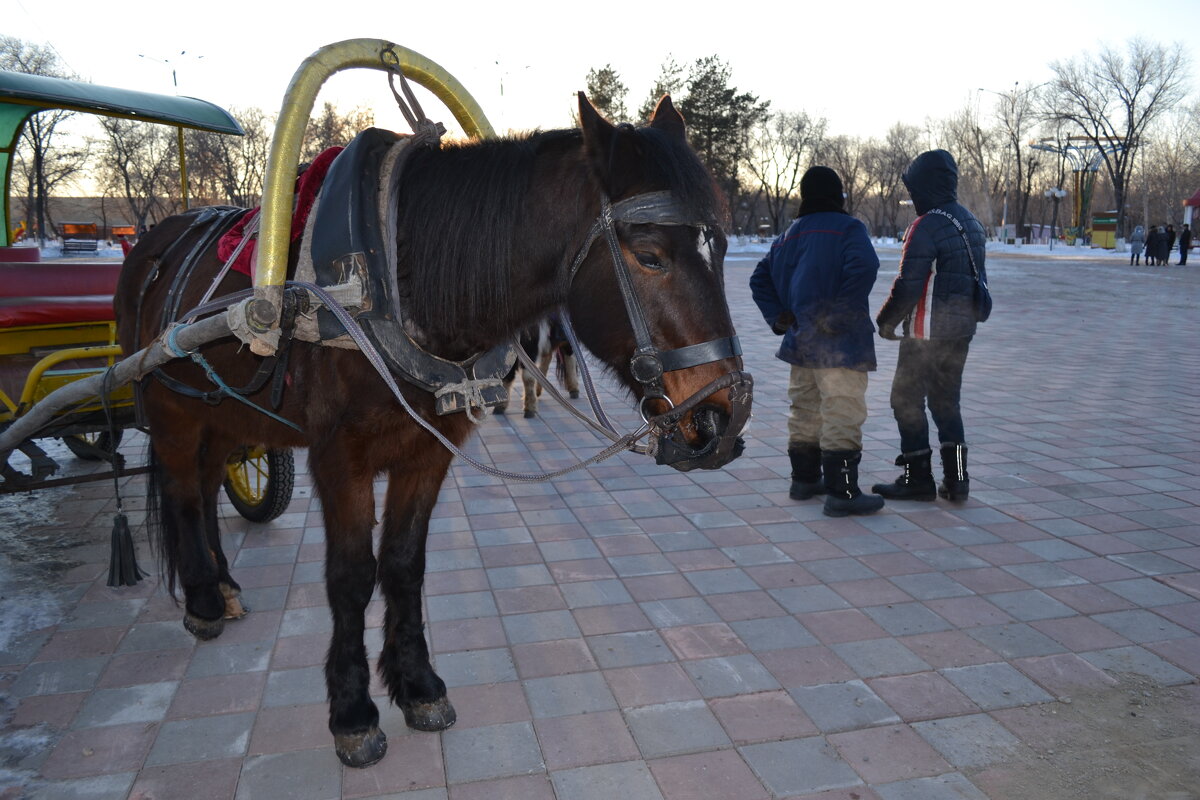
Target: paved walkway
639 633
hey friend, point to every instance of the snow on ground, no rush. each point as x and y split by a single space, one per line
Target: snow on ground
743 245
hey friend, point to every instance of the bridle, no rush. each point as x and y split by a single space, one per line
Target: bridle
649 363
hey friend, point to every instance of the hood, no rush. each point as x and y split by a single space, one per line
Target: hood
932 180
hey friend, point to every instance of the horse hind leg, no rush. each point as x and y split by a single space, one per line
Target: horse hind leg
404 663
187 526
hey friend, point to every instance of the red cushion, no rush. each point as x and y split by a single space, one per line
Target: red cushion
58 280
17 311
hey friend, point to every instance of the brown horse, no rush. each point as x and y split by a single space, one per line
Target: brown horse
491 236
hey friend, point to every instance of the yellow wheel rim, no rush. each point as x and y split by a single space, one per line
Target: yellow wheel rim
248 474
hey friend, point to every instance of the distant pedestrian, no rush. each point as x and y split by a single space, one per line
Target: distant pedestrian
1170 246
1136 242
813 288
934 298
1152 239
1185 242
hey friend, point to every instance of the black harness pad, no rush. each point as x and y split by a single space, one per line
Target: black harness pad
349 236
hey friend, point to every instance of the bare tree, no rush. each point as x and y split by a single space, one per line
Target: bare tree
1018 113
846 155
139 160
1113 98
781 147
333 129
40 165
1170 166
230 169
885 163
979 152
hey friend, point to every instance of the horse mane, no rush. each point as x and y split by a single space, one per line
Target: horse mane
459 214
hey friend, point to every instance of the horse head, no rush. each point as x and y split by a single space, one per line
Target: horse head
647 288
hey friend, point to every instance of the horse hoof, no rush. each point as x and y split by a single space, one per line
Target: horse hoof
574 394
501 409
361 749
435 716
530 414
203 629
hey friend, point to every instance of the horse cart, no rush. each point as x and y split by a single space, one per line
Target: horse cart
56 317
374 326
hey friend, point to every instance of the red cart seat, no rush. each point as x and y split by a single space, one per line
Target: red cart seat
48 294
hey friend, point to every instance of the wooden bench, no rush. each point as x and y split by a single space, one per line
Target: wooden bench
79 245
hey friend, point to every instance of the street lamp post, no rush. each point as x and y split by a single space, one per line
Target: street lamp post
1055 194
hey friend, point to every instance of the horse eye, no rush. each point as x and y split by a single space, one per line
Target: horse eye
649 260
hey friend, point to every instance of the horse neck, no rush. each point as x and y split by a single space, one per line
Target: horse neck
500 227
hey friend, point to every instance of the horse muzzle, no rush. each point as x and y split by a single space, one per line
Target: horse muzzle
718 441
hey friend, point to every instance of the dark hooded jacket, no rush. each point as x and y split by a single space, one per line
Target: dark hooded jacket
818 276
934 293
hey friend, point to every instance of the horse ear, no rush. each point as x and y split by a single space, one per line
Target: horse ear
667 119
598 135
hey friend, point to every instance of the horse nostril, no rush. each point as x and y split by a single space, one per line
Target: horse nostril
710 423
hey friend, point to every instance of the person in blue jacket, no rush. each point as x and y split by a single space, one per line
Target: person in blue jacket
813 288
934 297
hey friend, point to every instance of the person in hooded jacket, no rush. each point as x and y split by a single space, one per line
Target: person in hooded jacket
1136 242
813 289
933 298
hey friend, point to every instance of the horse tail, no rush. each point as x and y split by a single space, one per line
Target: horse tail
164 546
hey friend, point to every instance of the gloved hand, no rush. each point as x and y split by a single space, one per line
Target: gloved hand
889 332
783 322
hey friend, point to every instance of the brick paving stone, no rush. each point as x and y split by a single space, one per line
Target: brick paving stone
628 779
146 702
906 619
730 675
282 730
951 786
209 779
773 633
631 648
563 695
470 668
203 738
217 659
558 657
585 739
1015 640
922 696
993 686
1080 633
651 684
799 766
806 666
526 599
674 728
835 707
889 753
101 786
876 657
738 606
766 716
1141 626
55 710
843 625
99 751
679 611
1140 661
491 751
970 741
478 633
150 667
305 775
703 641
598 620
718 775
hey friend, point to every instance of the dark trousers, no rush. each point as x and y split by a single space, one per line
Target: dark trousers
1183 251
929 371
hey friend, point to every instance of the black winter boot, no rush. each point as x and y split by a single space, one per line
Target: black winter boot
917 481
956 483
843 497
806 470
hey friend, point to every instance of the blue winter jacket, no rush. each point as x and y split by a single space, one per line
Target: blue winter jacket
934 293
820 271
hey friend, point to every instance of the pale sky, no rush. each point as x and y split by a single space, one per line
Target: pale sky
862 64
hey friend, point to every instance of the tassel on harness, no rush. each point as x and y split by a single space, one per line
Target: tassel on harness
123 569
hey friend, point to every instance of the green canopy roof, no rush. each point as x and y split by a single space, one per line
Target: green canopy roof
18 88
22 95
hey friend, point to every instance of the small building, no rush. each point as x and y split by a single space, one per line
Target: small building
1104 230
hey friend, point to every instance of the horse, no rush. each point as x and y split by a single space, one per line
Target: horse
544 342
490 236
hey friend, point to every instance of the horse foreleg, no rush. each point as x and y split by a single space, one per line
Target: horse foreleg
349 511
230 589
404 663
532 390
570 370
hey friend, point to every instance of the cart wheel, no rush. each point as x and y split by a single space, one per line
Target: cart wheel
98 446
259 482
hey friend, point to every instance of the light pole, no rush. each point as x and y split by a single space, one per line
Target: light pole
1055 195
169 62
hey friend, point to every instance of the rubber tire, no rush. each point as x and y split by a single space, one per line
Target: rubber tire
280 469
104 441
